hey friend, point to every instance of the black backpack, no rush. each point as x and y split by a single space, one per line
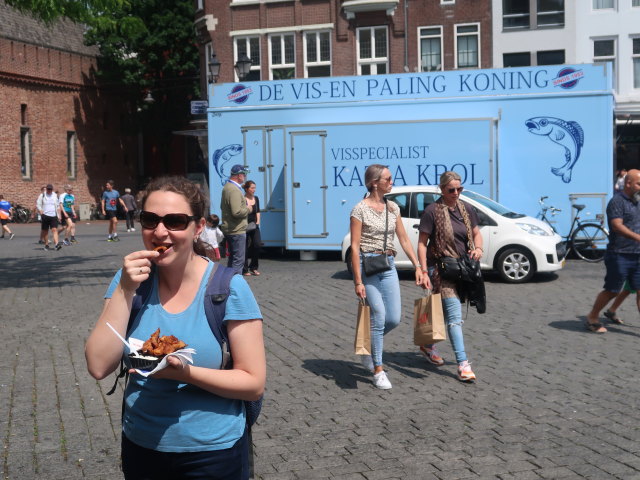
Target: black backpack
215 303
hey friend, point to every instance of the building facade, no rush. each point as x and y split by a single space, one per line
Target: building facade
57 126
319 38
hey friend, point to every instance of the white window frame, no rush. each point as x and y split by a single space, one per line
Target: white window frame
317 63
421 37
72 154
208 51
447 2
635 57
199 5
247 40
606 58
25 152
455 46
374 61
595 8
284 63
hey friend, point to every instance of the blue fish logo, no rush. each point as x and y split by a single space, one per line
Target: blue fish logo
568 135
222 157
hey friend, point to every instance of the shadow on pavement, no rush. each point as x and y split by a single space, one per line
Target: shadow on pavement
346 374
578 326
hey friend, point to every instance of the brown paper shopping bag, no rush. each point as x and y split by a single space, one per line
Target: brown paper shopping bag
362 344
428 320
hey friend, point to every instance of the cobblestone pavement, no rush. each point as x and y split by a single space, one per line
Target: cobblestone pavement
552 400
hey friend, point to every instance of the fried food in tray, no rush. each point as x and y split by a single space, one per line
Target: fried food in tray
160 346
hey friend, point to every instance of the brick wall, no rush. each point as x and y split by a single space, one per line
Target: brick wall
53 92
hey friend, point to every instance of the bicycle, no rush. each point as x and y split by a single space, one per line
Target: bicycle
21 214
587 240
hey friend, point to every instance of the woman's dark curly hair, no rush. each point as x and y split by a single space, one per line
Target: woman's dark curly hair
190 191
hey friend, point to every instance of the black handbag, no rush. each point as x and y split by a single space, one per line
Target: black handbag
378 263
449 268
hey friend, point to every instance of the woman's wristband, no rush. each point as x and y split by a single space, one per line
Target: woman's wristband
358 284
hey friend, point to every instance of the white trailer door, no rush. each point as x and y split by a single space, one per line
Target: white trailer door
307 198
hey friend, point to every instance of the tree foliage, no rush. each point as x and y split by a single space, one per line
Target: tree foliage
83 11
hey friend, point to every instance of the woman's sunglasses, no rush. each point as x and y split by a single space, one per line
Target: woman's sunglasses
451 190
171 221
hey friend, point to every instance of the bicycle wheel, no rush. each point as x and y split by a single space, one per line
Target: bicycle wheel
589 242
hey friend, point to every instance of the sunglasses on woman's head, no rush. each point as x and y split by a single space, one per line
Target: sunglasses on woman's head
171 221
451 190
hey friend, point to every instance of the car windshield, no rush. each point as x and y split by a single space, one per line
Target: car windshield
490 204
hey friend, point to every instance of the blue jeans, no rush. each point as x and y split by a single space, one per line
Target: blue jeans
452 310
383 296
237 247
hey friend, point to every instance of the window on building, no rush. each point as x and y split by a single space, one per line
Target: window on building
520 59
317 54
25 152
199 5
604 4
467 46
447 2
373 51
515 14
605 51
283 56
208 51
550 57
550 13
636 62
430 49
635 3
249 46
71 154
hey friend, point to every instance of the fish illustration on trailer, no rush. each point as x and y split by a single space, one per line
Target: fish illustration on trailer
567 134
222 157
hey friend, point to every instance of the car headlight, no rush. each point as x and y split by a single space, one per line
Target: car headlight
534 229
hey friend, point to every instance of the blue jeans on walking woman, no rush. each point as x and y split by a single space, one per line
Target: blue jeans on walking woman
452 310
383 296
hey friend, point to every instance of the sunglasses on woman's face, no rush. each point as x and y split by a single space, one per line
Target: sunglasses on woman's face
171 221
451 190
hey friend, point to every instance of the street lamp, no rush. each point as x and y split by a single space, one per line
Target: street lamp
214 68
149 98
242 66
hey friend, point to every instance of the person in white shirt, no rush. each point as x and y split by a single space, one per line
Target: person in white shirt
212 236
49 209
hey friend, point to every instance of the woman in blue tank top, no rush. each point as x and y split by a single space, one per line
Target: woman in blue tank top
181 419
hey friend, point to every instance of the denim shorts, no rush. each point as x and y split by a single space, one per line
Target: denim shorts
621 267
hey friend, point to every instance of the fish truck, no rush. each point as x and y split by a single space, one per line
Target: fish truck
514 135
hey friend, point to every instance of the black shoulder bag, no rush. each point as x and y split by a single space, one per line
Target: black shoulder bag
378 263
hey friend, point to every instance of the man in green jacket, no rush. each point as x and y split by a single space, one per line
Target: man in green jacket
234 209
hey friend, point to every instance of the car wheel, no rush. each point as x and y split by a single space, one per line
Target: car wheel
516 265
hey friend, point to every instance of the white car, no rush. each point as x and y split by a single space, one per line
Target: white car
515 245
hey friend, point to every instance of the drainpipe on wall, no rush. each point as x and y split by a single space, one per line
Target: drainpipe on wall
406 36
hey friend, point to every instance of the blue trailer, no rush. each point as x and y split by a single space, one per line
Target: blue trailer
513 135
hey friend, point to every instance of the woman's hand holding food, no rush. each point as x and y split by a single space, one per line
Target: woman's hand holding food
136 268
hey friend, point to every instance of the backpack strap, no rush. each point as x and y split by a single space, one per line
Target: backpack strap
215 304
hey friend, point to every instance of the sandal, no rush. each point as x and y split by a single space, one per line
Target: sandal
255 272
247 274
594 327
613 317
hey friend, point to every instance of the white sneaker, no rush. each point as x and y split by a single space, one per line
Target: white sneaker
367 362
128 229
381 381
133 229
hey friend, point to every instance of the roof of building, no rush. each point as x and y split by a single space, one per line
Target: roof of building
61 34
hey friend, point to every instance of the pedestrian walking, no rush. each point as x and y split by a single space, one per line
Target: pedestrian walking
234 210
38 217
184 418
48 205
130 202
374 223
68 215
110 200
6 213
622 258
254 242
449 226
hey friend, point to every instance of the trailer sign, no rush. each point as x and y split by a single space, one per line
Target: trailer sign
512 134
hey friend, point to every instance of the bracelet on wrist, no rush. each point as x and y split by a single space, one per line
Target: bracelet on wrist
359 283
479 248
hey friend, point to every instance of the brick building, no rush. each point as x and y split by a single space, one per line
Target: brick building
57 126
313 38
